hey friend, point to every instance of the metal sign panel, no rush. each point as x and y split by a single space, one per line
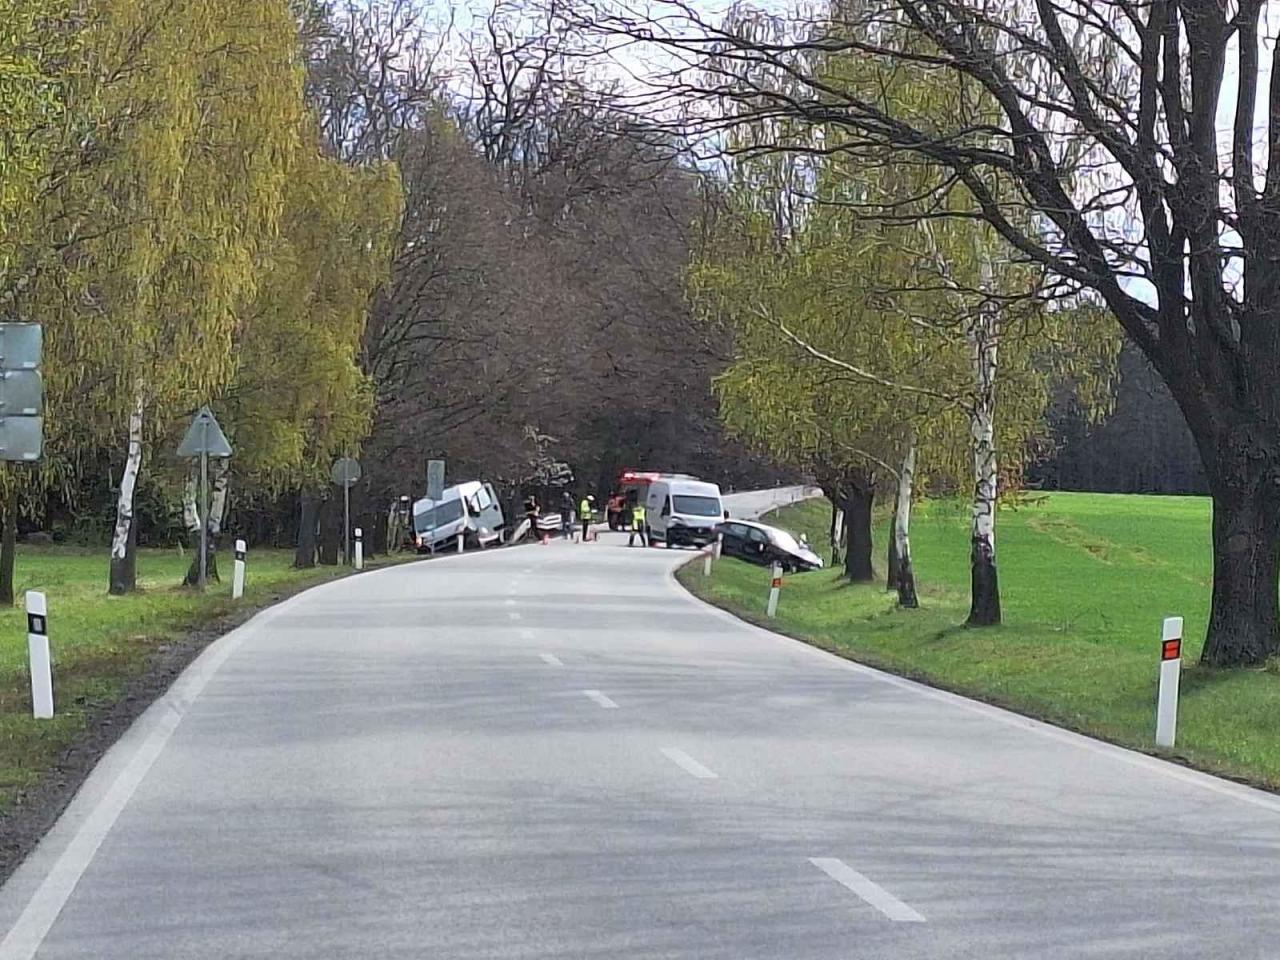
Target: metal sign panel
21 393
21 345
345 472
435 479
21 438
204 436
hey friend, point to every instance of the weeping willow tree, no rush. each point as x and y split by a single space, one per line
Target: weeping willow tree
299 397
194 110
35 43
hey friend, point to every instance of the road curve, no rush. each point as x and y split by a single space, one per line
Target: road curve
554 752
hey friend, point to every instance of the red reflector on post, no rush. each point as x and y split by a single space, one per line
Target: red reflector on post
777 582
1171 649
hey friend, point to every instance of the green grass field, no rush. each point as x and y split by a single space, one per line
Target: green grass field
100 643
1085 581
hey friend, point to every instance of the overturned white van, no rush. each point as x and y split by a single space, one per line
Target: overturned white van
470 509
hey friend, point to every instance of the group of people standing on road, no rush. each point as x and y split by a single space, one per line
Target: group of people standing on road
585 512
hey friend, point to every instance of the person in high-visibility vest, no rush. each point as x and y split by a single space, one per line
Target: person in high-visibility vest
637 526
586 512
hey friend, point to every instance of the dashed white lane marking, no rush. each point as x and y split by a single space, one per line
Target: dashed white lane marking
687 763
867 889
600 698
526 633
510 601
551 660
513 615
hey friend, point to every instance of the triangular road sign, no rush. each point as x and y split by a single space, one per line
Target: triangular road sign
204 436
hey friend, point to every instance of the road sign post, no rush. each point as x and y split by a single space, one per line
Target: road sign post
1170 671
38 656
775 584
346 472
204 439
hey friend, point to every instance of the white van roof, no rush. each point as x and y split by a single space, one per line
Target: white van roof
695 488
457 491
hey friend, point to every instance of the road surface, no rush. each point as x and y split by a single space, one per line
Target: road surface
553 752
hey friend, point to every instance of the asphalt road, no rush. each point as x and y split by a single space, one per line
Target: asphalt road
554 752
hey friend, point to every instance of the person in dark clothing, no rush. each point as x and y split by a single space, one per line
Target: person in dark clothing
566 515
531 512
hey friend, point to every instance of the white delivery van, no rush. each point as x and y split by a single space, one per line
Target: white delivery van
470 509
683 512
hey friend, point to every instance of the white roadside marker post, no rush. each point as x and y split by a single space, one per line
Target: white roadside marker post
460 543
775 584
359 548
237 572
1170 670
38 656
707 553
719 545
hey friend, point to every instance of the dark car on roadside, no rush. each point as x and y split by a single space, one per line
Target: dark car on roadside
760 543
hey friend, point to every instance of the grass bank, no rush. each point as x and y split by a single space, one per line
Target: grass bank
107 648
1085 581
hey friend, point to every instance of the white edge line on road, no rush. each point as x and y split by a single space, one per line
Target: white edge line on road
526 634
595 695
1173 771
155 726
509 602
551 660
513 615
867 889
688 764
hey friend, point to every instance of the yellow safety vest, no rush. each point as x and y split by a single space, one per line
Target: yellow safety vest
584 510
637 516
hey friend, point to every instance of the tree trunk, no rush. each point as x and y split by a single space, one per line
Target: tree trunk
858 545
392 531
191 520
1246 562
892 562
906 577
219 486
379 531
331 528
304 555
981 333
124 559
219 500
8 552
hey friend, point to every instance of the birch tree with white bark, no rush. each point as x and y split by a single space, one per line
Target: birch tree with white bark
198 139
905 312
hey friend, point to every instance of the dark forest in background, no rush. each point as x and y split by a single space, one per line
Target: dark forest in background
1142 447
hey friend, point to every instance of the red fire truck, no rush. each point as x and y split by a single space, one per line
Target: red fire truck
632 488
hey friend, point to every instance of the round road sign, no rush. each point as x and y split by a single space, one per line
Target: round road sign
345 471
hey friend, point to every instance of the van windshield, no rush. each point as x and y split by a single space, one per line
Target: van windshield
438 516
696 506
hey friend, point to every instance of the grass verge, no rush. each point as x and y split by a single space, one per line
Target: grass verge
1085 580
